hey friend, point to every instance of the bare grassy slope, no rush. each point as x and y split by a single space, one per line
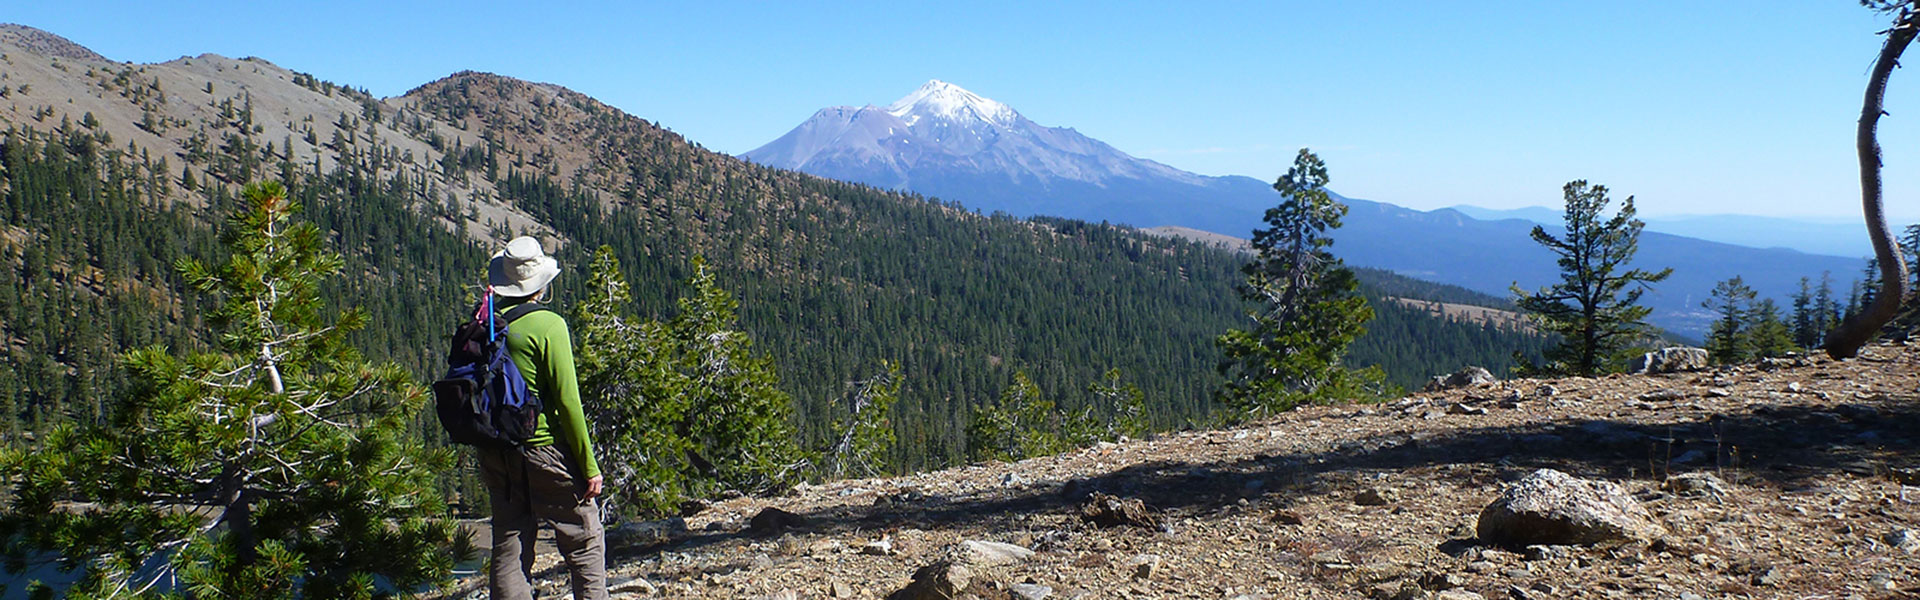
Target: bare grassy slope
162 108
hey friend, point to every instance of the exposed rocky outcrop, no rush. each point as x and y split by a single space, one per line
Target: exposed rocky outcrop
1669 360
1458 379
1786 480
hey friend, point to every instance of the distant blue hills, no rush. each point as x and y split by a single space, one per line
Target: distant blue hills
1831 236
946 142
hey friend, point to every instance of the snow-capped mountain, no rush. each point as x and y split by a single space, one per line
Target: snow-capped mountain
947 142
942 140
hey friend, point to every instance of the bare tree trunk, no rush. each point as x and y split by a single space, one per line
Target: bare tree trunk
1845 341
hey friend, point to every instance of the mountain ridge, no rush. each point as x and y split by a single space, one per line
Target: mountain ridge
832 278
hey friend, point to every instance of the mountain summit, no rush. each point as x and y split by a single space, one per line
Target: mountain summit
941 100
945 141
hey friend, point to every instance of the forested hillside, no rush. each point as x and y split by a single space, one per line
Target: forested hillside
113 172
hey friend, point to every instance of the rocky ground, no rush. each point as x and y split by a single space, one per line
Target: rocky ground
1815 461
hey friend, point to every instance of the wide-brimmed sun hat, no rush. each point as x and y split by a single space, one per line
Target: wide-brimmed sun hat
522 269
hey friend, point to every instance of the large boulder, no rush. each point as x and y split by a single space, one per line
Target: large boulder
1669 360
1553 508
1459 379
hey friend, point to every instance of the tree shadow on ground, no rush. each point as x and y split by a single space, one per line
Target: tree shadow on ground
1783 446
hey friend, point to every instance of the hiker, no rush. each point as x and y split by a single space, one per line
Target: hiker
553 476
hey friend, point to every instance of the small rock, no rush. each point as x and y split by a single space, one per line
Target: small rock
1696 485
1795 387
1031 591
1143 566
1402 590
1287 517
1442 581
773 521
1662 395
1904 475
1903 539
1883 582
989 554
1108 511
1376 497
782 595
1719 392
1013 480
1458 595
630 585
840 589
938 581
879 547
827 547
1463 409
1546 552
646 532
789 545
903 497
1769 577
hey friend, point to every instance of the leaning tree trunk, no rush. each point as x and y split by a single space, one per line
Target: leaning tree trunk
1845 341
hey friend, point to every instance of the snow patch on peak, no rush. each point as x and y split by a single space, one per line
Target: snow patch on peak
951 102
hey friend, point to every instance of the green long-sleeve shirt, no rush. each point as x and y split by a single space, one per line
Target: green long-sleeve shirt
542 347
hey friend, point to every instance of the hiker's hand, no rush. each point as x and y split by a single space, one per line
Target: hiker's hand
593 487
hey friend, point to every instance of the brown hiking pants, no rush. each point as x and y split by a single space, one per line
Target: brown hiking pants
537 484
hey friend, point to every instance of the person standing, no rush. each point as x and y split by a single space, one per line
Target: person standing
553 477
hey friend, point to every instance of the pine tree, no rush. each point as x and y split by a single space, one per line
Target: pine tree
1770 336
1020 423
1727 341
1595 307
279 466
1804 332
1307 309
1123 403
681 409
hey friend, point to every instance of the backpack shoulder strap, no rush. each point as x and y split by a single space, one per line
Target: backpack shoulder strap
522 310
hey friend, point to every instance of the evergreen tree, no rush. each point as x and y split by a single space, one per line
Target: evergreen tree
1123 403
279 466
1770 336
1804 333
1021 423
681 409
1826 308
1727 341
1307 309
1595 307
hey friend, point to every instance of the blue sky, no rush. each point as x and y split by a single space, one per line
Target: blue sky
1693 107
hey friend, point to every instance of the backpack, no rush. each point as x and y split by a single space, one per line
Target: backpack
483 400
